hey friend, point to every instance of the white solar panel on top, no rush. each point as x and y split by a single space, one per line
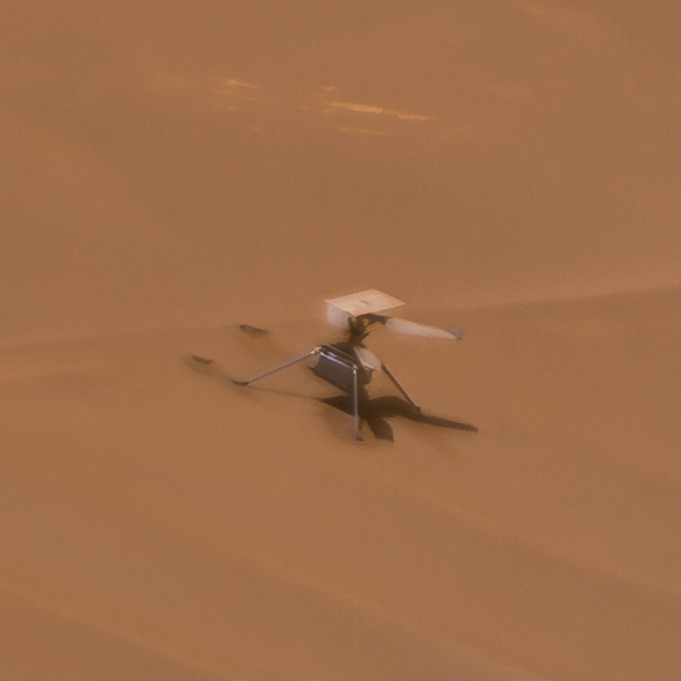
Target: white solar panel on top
354 304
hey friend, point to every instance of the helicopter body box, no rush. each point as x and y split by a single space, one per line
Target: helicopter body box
337 366
339 309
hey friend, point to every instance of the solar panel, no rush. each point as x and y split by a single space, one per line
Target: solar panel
355 304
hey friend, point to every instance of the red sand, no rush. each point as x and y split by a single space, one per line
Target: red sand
173 170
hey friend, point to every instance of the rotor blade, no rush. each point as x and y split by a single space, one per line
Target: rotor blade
416 329
253 330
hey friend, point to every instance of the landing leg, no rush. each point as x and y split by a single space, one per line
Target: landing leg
295 360
400 388
355 405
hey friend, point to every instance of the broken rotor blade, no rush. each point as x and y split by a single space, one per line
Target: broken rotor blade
253 330
415 329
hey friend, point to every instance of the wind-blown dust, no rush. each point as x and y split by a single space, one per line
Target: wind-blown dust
173 171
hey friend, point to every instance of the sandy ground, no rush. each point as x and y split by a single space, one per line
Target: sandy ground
182 164
160 522
171 169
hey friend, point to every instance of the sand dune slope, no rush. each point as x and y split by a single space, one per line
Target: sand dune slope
159 522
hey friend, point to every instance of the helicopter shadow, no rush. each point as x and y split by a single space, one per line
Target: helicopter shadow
376 412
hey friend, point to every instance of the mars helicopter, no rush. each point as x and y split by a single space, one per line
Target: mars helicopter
349 364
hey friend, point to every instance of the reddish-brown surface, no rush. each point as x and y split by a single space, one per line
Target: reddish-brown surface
174 169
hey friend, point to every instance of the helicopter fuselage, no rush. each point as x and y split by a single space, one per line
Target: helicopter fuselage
341 365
